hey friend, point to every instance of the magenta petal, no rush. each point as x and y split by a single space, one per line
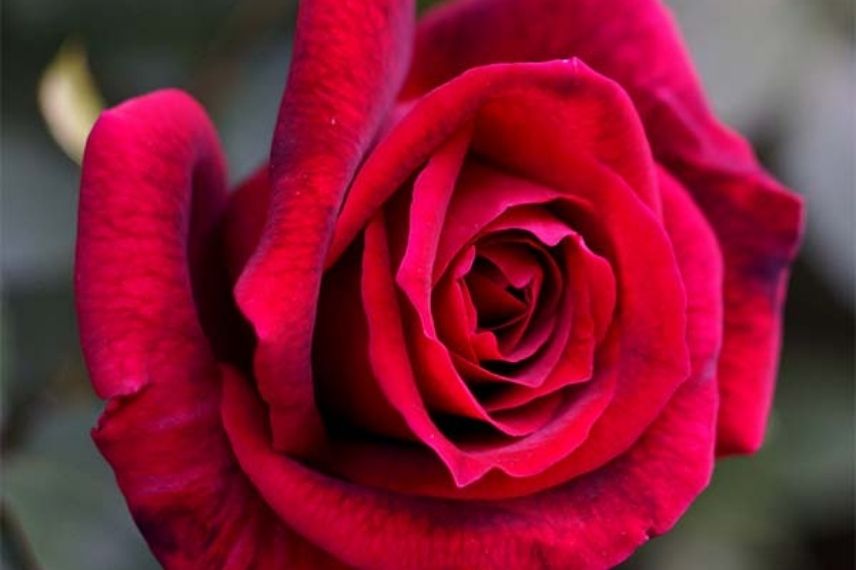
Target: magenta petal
187 495
592 290
151 194
758 226
636 43
145 212
390 360
349 58
593 522
554 107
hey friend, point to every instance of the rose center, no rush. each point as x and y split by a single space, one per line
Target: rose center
497 301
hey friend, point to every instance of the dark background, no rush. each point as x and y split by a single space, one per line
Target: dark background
780 71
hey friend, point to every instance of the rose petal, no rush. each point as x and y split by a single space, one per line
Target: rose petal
759 227
432 191
184 489
358 398
394 371
147 216
344 382
495 305
641 255
635 42
700 263
515 108
546 281
574 108
390 358
593 294
482 197
348 61
151 194
593 522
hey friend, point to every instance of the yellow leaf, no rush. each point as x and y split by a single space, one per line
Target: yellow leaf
69 99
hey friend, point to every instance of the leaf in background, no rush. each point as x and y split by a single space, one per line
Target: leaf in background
69 99
65 498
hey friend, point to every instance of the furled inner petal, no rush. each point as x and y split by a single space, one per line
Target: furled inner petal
508 275
498 302
541 280
592 290
530 119
756 220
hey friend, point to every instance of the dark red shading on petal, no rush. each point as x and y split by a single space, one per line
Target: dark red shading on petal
593 522
700 260
347 392
348 62
759 227
245 219
152 192
636 43
389 357
186 493
592 294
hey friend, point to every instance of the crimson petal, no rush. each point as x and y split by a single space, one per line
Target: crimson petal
348 62
593 522
636 43
152 193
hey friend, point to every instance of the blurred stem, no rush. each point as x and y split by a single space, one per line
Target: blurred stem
16 549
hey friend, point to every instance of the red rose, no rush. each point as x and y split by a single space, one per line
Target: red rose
509 285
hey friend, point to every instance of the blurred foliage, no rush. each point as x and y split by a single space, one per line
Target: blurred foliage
779 70
69 99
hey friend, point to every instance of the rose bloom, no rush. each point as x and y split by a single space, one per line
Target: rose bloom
504 291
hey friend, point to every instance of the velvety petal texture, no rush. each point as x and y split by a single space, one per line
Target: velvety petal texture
152 193
594 522
347 64
502 293
635 42
513 110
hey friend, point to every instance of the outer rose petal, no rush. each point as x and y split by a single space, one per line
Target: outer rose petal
635 43
348 62
145 209
593 522
151 194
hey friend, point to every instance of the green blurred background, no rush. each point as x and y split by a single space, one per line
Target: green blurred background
781 71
